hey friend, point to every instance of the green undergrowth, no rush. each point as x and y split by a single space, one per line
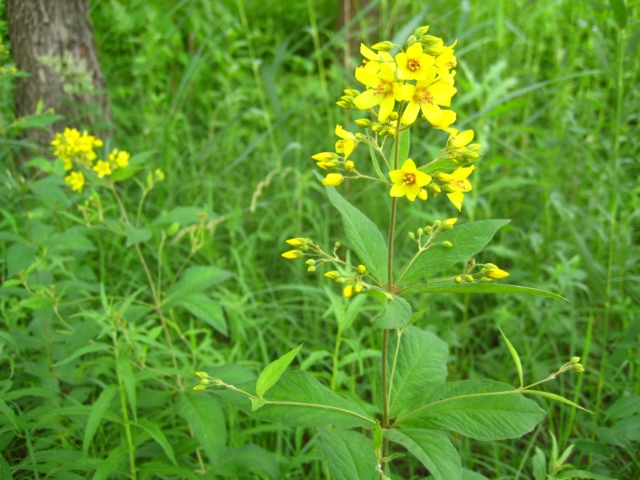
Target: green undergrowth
230 99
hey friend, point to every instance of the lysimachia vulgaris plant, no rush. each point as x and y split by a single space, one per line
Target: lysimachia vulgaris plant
417 410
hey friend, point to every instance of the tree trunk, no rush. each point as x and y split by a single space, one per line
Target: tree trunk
53 41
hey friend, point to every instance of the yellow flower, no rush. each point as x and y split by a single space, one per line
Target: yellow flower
374 61
71 146
408 181
456 184
102 168
427 95
75 180
446 59
333 180
348 291
347 142
292 254
119 158
495 273
414 64
383 91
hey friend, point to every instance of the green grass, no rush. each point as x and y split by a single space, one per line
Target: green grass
225 105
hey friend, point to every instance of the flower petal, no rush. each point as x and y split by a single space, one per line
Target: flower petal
386 107
410 113
412 191
367 52
398 190
367 78
456 198
367 99
396 176
422 179
409 166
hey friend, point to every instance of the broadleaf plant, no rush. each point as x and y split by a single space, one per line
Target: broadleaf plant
417 410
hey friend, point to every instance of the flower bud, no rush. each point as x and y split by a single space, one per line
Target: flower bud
347 98
393 116
345 105
457 279
411 40
333 180
435 189
496 273
332 164
420 31
444 177
311 262
202 374
358 288
333 274
337 245
361 269
348 291
392 132
428 229
578 368
573 360
449 223
423 194
447 244
324 156
292 254
376 126
340 280
485 279
199 387
437 223
352 92
363 122
384 131
382 46
311 269
468 278
420 232
449 188
297 242
412 235
389 296
349 165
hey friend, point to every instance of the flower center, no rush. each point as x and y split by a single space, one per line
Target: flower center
413 64
426 97
409 179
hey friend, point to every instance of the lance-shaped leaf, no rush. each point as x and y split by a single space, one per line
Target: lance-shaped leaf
480 409
516 357
363 235
421 362
350 455
452 287
467 240
272 372
432 448
298 399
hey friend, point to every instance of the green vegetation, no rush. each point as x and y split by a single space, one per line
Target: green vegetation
230 99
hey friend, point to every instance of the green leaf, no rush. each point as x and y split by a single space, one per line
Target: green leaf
405 144
451 287
91 348
272 372
421 362
516 357
98 410
183 216
10 415
432 448
349 454
125 372
19 257
123 173
238 461
557 398
5 469
570 474
137 235
469 475
445 166
162 470
196 280
204 414
619 12
111 463
154 431
467 239
394 314
298 399
363 235
206 309
377 437
624 407
48 191
539 462
480 409
257 403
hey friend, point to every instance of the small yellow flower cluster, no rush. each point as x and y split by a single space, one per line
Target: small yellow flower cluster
487 273
353 282
401 91
75 148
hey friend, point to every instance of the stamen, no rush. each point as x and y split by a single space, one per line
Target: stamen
409 179
413 64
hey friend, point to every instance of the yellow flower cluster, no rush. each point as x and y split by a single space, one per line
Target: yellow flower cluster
75 148
417 84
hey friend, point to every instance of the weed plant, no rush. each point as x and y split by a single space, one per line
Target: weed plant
230 99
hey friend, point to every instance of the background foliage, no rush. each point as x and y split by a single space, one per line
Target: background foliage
230 99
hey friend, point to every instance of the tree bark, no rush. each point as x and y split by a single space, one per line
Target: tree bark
52 40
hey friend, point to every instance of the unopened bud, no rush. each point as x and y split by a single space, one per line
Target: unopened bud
332 274
199 387
428 229
297 242
449 223
358 288
578 368
361 269
324 156
393 116
347 98
411 40
311 262
389 296
485 279
447 244
382 46
348 291
363 122
468 278
376 127
349 166
392 132
420 31
420 232
311 269
204 381
384 131
435 189
423 194
345 105
352 92
340 280
437 223
575 360
202 374
457 279
337 245
412 235
444 177
292 254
